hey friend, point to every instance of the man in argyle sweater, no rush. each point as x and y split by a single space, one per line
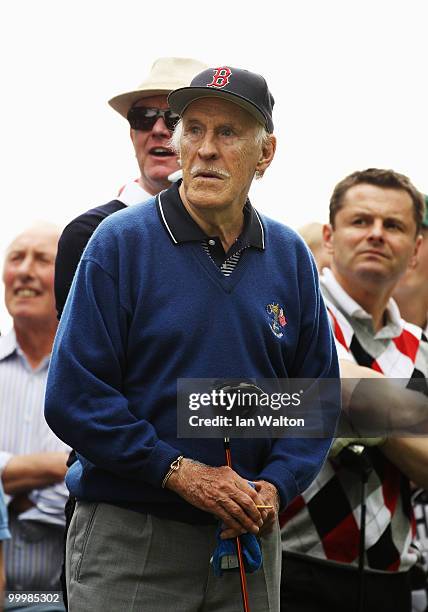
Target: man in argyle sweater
373 236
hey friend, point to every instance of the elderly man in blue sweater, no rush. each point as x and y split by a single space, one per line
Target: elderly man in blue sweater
185 286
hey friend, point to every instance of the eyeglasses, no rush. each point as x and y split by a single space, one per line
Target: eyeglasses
142 118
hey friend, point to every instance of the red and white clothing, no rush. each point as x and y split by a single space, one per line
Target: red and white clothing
323 523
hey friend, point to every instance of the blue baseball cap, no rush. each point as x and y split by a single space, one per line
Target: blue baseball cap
246 89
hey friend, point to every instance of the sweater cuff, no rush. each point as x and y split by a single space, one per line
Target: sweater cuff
283 480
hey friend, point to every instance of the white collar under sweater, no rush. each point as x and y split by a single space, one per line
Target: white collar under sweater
132 193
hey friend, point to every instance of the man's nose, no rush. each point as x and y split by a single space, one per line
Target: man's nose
376 230
208 147
26 267
160 130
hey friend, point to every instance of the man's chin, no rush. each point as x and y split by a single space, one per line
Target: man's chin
377 274
206 189
204 199
161 171
29 315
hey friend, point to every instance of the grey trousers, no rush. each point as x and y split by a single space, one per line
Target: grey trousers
122 561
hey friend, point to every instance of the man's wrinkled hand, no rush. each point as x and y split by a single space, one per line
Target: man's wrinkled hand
222 492
269 496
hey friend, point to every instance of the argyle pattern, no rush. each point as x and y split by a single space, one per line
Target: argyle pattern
324 521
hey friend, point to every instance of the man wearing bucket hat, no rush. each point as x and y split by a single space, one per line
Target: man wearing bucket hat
151 124
193 284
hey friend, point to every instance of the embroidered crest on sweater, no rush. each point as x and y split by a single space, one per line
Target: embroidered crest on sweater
278 320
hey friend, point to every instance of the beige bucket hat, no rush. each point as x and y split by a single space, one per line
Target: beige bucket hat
167 74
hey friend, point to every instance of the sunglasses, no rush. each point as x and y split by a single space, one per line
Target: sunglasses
142 118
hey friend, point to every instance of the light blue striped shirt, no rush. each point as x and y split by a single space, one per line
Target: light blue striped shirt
34 554
4 531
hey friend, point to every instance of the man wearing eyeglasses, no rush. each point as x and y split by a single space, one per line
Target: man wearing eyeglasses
151 123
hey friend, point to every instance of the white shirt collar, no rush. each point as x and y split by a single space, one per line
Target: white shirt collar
8 344
132 193
351 308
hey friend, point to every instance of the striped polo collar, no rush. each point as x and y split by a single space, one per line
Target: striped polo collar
182 228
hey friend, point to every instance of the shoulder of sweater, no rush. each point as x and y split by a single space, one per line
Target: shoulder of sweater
285 235
135 216
94 216
123 230
280 229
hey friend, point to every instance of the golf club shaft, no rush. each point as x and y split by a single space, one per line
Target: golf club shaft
244 589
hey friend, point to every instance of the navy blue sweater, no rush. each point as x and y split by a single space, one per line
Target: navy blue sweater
144 312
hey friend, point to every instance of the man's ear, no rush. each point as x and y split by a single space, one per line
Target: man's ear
327 236
266 156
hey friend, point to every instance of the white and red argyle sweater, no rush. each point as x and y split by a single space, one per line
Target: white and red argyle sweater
323 522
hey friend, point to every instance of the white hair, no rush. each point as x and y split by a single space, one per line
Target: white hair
174 143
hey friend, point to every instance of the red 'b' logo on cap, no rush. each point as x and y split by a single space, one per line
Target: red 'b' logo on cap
220 77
